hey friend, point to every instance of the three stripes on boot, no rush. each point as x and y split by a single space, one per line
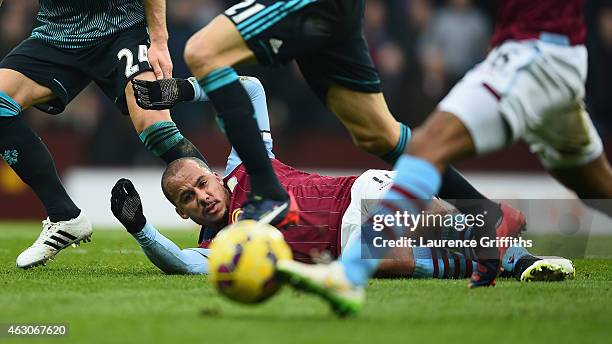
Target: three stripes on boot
62 239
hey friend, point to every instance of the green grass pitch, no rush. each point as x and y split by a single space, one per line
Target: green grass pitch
108 292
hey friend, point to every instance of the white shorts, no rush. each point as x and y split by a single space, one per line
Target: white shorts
370 185
530 90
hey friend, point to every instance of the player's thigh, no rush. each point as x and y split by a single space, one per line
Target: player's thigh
344 77
557 126
23 90
509 94
37 73
141 118
366 192
591 180
471 108
484 112
218 44
565 138
528 90
268 32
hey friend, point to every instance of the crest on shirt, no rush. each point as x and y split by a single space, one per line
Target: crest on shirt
231 183
236 215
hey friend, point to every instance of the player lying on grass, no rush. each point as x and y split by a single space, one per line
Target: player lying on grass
330 210
331 223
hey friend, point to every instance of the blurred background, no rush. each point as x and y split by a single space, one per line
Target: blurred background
421 48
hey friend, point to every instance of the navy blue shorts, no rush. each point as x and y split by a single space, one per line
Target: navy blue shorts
324 37
110 64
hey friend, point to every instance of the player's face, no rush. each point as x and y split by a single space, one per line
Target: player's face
199 194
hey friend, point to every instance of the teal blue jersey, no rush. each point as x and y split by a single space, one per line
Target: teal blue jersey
72 24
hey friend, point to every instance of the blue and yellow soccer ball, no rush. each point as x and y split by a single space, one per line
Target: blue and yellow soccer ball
243 260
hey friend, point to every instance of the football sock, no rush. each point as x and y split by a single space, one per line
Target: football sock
28 156
392 156
458 191
513 255
413 186
198 93
522 264
8 106
168 257
451 233
191 90
165 140
236 112
432 262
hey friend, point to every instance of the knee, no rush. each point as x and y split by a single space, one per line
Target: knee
200 57
192 54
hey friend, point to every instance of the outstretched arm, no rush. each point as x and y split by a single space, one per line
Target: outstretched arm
127 208
257 93
168 257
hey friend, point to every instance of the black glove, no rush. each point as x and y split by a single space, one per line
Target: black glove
126 206
162 94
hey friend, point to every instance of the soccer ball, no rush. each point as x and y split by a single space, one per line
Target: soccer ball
243 260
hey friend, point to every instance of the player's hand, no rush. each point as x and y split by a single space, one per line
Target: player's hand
161 94
160 61
126 206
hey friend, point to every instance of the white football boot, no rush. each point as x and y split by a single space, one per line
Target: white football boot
549 269
567 266
329 281
54 237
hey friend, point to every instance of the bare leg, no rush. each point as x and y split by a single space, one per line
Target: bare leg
140 117
367 118
217 45
591 182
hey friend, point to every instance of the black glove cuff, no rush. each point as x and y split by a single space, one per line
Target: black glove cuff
136 226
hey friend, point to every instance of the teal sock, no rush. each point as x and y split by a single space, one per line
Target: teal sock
414 184
392 156
165 140
8 106
160 136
